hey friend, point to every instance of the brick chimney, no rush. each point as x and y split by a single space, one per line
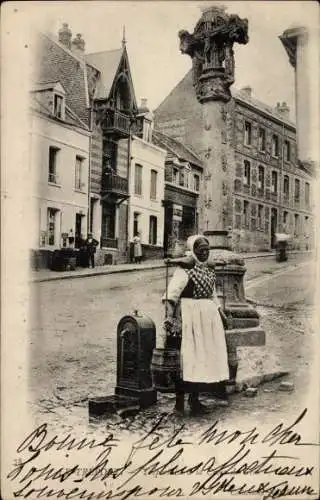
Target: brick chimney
65 35
247 91
283 110
144 105
78 45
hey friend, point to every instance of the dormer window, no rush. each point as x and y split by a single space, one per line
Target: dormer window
147 130
58 106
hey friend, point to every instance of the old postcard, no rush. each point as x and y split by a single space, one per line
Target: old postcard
159 185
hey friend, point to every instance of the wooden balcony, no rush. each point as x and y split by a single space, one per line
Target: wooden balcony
115 123
115 187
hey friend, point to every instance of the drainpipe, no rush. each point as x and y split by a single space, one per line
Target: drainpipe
129 183
89 166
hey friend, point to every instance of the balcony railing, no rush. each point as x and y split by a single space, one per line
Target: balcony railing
116 122
113 183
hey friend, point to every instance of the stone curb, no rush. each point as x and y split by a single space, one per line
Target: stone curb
115 269
257 380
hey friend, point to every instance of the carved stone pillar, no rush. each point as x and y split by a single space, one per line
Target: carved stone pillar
211 50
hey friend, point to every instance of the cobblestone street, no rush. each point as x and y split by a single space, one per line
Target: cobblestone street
73 339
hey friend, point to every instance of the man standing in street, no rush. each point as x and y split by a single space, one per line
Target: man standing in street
91 245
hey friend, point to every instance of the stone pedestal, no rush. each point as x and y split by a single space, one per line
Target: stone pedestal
244 324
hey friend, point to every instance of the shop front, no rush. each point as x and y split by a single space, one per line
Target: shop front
181 220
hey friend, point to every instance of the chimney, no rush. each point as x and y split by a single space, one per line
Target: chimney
144 106
78 45
65 35
247 90
283 110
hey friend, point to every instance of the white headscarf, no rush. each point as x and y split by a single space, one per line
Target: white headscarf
190 245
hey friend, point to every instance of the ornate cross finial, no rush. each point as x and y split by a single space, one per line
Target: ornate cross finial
124 41
210 47
205 6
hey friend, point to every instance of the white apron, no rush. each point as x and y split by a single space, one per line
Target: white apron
204 355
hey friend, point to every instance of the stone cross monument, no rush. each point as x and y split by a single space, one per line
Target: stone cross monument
210 47
211 50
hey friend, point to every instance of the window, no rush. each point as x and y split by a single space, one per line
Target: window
260 216
175 176
247 173
296 224
153 230
285 218
51 225
53 155
286 186
307 194
187 176
138 180
153 184
79 184
306 229
247 133
181 177
136 217
196 182
108 220
296 190
262 139
261 177
274 182
287 151
275 145
57 106
147 130
246 213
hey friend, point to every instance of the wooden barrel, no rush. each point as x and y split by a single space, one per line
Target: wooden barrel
165 369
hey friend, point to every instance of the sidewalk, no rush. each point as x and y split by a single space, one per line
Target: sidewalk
47 275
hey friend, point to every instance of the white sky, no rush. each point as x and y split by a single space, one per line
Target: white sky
153 46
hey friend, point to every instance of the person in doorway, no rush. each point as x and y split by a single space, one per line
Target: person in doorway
137 249
91 246
195 319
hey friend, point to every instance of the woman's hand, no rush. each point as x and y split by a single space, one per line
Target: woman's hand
224 319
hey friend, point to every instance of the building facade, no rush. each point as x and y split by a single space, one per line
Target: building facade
272 191
59 152
127 170
146 188
113 110
183 181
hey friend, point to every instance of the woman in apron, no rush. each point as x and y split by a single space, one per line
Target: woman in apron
194 312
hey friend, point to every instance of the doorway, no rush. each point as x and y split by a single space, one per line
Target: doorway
273 224
78 231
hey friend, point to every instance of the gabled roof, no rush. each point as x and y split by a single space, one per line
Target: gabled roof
107 62
176 148
55 86
56 63
70 117
110 63
182 103
261 106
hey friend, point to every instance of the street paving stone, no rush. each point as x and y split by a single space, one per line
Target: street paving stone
73 341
